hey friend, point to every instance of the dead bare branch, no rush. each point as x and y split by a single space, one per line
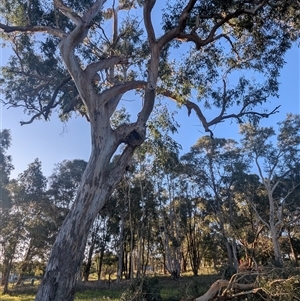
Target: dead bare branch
219 284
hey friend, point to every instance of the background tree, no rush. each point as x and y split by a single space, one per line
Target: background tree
7 220
28 228
73 65
290 186
274 163
198 236
5 169
64 182
92 243
216 166
33 215
30 197
248 228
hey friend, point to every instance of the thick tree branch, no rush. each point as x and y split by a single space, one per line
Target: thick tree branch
260 4
253 291
113 103
156 47
93 68
193 36
68 12
108 94
67 49
171 34
122 163
131 134
34 117
30 28
185 14
90 14
148 6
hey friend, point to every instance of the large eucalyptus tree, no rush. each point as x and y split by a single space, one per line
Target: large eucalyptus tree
65 57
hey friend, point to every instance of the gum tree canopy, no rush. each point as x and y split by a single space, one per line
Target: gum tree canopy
85 55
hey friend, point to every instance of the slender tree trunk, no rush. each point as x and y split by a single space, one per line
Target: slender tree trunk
143 259
183 262
24 264
87 269
121 249
101 255
139 255
148 248
127 264
235 254
6 277
273 228
295 256
276 246
5 270
229 253
227 244
220 219
274 222
165 264
131 268
7 264
193 252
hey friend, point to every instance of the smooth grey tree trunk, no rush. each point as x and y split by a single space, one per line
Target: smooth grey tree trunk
98 182
121 249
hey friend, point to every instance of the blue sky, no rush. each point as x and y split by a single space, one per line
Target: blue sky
55 141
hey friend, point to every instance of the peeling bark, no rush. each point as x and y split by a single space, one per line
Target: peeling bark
98 182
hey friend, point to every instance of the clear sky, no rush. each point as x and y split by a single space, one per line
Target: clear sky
54 141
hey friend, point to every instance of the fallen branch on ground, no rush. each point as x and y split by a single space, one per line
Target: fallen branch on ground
219 284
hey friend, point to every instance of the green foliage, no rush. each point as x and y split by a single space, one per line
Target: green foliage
65 180
30 220
119 117
279 284
5 168
98 296
142 289
246 41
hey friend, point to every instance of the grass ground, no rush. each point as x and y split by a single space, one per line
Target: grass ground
170 290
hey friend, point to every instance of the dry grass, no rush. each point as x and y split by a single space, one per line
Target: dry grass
170 290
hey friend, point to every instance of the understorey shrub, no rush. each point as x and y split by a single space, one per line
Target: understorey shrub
142 289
